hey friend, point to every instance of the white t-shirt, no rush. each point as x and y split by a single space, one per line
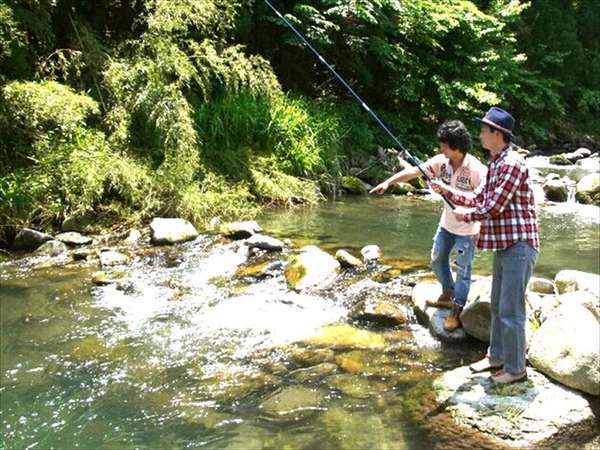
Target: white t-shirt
467 178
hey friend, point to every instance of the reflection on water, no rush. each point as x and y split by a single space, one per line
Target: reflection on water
186 353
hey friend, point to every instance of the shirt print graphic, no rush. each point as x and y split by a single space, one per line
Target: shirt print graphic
463 180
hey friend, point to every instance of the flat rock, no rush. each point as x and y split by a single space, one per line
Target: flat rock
240 230
347 260
73 238
264 242
112 258
529 414
311 268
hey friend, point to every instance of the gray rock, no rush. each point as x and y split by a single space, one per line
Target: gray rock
73 238
560 160
111 258
264 243
575 280
433 317
476 316
370 253
28 239
171 231
530 414
240 230
567 355
591 164
51 248
311 268
347 260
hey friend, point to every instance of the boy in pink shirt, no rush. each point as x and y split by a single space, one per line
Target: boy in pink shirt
457 168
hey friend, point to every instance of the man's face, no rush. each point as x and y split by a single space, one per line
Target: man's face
487 136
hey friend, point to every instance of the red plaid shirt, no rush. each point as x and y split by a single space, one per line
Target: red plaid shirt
504 204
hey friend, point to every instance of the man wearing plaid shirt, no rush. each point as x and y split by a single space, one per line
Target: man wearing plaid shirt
506 208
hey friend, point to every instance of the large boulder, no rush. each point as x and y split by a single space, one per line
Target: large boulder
433 317
468 408
476 315
557 190
560 160
591 164
28 239
311 268
51 248
567 347
171 231
588 189
575 280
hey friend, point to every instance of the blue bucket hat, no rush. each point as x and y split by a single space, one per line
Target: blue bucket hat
500 120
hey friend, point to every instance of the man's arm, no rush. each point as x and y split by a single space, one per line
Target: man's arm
509 180
459 198
400 177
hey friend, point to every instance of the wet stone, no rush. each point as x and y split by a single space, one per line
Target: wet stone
314 373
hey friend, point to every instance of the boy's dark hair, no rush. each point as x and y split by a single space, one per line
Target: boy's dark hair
455 134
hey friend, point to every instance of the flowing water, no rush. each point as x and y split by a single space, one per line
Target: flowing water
188 352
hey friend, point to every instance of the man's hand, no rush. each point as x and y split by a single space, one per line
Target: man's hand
459 216
438 186
380 188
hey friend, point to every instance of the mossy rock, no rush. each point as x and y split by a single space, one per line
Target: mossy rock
354 185
401 188
560 160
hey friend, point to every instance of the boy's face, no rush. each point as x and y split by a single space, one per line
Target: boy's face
448 151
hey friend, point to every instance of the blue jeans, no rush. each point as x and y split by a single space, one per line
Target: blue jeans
512 270
443 243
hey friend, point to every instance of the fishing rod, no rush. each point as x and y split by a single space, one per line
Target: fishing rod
404 151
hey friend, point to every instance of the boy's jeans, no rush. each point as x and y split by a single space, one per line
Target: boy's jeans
512 270
443 243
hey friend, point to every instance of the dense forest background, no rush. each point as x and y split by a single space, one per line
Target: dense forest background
201 108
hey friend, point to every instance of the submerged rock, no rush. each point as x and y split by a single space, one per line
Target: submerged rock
28 239
313 373
171 231
346 336
566 356
292 403
470 408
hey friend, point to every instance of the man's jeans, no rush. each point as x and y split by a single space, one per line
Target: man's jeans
443 243
512 270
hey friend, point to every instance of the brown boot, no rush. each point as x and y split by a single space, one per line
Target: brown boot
443 301
452 322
